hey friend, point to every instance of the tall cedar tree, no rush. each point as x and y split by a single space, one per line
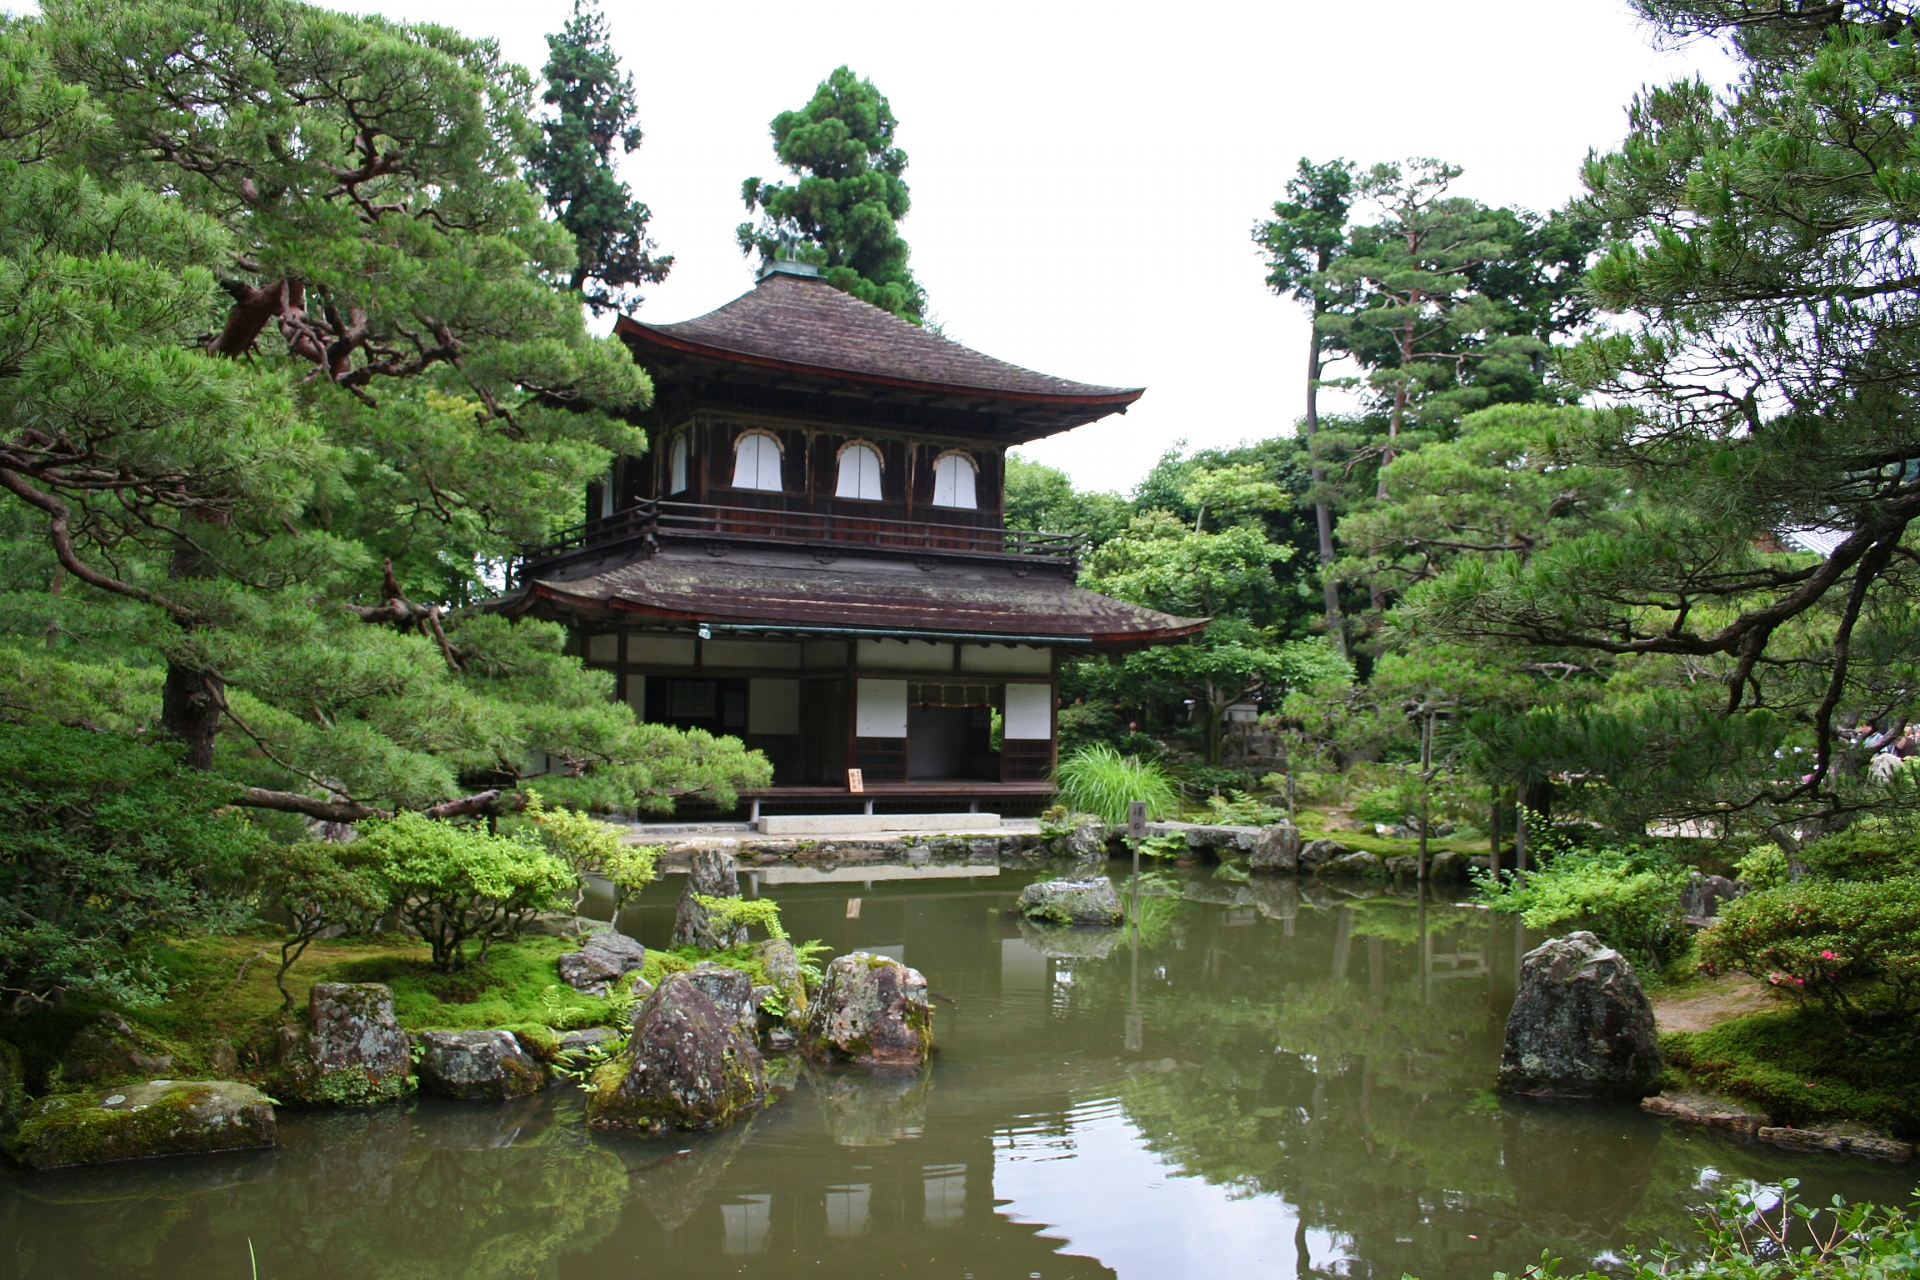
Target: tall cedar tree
844 211
1307 232
282 318
572 165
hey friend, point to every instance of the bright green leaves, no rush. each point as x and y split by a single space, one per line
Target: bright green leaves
843 211
1160 562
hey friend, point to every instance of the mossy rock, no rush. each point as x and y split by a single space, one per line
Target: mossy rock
689 1065
142 1121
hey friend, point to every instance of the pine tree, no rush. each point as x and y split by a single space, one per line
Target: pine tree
572 165
844 211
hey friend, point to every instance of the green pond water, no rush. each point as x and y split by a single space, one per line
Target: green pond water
1277 1080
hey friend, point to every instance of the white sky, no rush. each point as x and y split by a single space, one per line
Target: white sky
1085 175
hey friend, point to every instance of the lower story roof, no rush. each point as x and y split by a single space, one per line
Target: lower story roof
801 592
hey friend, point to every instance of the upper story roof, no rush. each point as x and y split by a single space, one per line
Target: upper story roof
797 332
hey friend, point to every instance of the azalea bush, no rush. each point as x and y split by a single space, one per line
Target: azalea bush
1850 948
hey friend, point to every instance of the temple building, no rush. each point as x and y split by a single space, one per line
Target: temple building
813 555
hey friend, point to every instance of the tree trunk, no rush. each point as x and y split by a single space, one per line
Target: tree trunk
191 698
1322 514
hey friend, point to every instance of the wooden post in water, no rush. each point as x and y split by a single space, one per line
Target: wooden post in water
1136 832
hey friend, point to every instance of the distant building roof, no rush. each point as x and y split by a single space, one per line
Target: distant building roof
1821 542
800 324
794 592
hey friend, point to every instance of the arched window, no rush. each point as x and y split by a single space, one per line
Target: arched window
756 461
677 466
859 472
953 481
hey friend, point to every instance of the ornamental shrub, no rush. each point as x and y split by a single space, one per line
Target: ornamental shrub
318 894
589 846
1851 948
1864 851
1099 780
105 838
1628 897
454 884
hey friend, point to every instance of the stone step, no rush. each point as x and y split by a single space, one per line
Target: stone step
837 824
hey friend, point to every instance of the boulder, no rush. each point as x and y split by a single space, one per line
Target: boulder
139 1121
1580 1026
688 1065
1355 864
714 874
782 963
109 1049
351 1051
1087 842
1708 1111
478 1065
1447 868
1276 851
1316 853
1199 835
1841 1139
606 956
1702 896
1404 866
1089 901
873 1012
731 991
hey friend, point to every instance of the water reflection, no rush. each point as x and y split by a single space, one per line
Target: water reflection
1284 1077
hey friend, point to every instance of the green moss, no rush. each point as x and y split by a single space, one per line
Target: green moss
660 964
73 1129
1802 1070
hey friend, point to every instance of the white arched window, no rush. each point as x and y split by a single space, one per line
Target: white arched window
859 472
953 481
677 466
756 461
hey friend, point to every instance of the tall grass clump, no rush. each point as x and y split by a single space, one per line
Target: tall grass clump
1098 780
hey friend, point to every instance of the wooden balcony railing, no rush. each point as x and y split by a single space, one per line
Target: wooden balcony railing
647 520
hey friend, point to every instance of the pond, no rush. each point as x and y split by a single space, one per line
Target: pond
1277 1079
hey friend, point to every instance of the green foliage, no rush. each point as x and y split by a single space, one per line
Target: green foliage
514 986
1099 780
453 884
1850 947
318 893
572 164
1238 809
843 211
1865 851
1628 897
1042 499
1803 1068
589 846
106 841
1763 867
731 912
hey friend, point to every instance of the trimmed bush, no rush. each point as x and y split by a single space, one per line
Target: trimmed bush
1628 898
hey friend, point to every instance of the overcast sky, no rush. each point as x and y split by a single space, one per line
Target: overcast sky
1085 175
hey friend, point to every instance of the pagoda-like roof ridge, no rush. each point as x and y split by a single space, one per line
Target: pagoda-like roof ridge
804 323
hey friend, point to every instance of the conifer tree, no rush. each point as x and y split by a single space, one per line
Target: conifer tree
572 164
843 212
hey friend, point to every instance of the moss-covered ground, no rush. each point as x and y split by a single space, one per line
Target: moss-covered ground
1803 1069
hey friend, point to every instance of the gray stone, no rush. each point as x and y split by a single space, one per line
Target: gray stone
1404 866
110 1049
1581 1026
140 1121
1841 1139
1277 851
782 964
560 924
606 956
714 874
478 1064
1087 842
351 1051
688 1065
1201 836
1708 1111
1089 901
1444 868
1702 896
1355 864
731 991
872 1012
1315 853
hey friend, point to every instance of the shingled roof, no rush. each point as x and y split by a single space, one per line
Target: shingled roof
801 323
795 592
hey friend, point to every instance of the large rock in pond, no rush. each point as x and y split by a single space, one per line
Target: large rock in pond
1446 868
109 1049
1089 901
782 964
732 993
1277 851
1087 842
1580 1026
714 874
351 1052
1317 853
488 1065
872 1011
140 1121
1369 865
606 956
688 1065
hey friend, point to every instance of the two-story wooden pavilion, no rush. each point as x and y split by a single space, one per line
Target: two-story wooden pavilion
813 554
